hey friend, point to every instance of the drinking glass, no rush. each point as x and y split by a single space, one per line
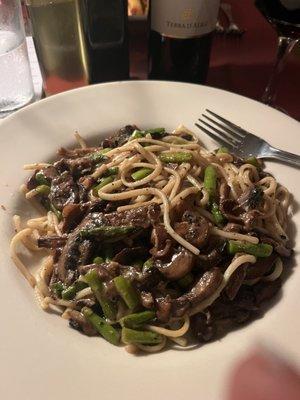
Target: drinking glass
284 16
16 87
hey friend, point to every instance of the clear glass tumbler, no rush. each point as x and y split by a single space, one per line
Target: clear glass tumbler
16 87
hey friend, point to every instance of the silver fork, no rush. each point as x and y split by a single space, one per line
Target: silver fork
240 142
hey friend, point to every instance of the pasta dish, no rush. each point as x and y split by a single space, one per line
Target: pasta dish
151 240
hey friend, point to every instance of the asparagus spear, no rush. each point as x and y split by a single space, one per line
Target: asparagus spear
143 337
98 260
43 189
107 331
57 288
217 215
127 292
41 179
134 321
96 285
99 156
141 174
210 181
56 212
148 264
137 134
107 232
222 150
257 250
111 171
253 161
103 182
70 292
156 131
176 157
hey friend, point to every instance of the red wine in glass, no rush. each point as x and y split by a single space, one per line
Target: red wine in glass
284 16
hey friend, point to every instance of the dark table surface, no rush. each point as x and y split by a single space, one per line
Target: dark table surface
240 65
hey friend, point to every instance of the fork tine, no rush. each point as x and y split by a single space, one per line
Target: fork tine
233 134
216 138
224 135
239 130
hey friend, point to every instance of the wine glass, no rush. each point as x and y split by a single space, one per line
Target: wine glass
284 16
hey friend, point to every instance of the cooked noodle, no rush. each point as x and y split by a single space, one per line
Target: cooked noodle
252 213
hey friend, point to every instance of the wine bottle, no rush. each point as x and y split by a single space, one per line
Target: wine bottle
106 37
180 39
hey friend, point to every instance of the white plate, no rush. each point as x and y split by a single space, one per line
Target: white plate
40 357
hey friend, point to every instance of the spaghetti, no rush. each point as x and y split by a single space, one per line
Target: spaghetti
152 234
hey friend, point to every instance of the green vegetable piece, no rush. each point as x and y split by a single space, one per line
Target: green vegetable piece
96 285
148 264
222 150
177 140
107 331
108 232
56 212
219 218
57 288
253 161
176 157
69 293
105 150
103 182
142 337
134 321
127 292
257 250
156 131
111 171
99 156
210 181
41 179
138 134
186 281
141 174
80 285
98 260
43 189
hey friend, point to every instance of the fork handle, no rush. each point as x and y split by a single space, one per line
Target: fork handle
284 156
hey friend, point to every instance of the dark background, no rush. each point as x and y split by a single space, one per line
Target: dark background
241 65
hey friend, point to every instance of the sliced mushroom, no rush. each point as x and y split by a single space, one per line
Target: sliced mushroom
195 233
161 241
180 264
236 280
72 216
52 242
78 322
63 191
164 307
204 288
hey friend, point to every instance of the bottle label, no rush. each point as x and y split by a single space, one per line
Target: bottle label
184 19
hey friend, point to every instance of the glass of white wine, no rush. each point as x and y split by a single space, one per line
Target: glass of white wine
59 42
